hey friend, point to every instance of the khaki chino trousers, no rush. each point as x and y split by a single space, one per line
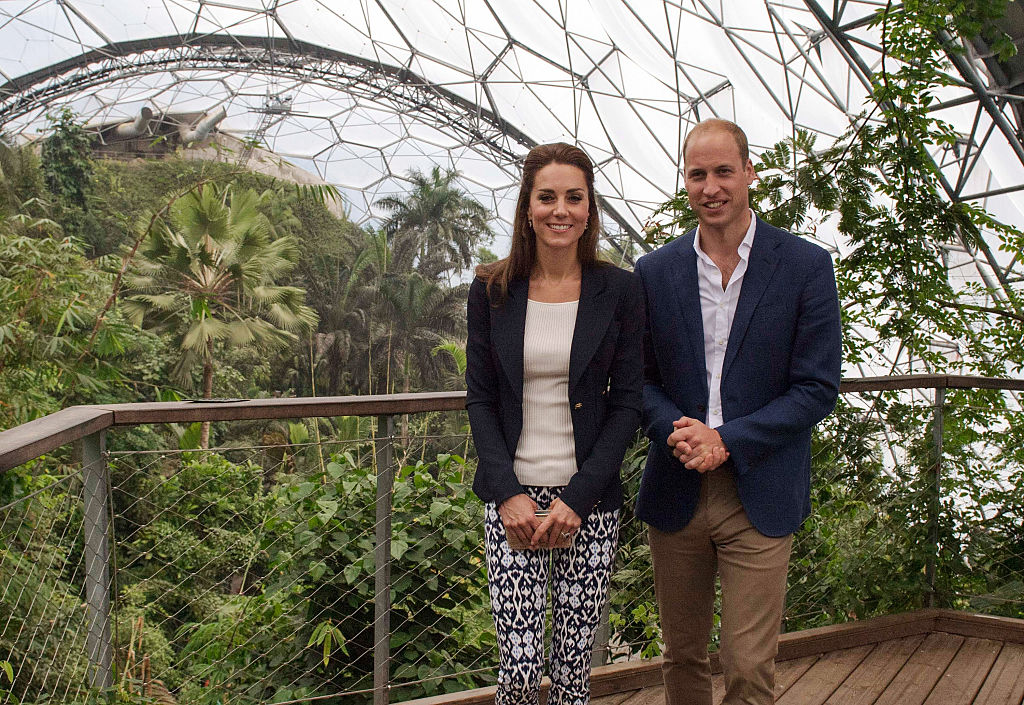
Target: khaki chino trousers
752 567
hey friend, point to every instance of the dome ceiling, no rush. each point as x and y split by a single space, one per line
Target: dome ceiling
360 91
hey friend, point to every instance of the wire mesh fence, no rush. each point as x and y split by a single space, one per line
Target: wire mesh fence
42 621
259 571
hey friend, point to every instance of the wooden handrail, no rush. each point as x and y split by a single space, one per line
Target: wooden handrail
879 384
30 440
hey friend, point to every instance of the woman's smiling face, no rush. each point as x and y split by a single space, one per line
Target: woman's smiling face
559 208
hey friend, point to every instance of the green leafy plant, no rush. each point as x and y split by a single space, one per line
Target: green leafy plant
326 635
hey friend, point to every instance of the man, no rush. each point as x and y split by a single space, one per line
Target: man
742 358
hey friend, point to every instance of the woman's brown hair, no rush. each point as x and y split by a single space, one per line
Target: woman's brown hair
519 262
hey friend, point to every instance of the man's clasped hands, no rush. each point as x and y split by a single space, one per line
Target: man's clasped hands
698 447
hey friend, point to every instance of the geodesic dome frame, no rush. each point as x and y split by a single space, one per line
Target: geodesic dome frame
375 87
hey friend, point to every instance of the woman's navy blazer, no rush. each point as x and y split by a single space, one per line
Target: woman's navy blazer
605 385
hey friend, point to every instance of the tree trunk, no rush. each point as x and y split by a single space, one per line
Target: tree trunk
204 430
405 417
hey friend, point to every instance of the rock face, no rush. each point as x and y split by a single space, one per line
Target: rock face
157 136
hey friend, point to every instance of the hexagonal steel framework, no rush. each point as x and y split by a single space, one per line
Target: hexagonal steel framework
360 91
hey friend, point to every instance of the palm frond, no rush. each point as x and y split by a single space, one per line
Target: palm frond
201 331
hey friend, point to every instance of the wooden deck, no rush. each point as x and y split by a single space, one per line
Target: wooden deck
931 657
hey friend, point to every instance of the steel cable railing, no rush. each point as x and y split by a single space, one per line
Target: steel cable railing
266 572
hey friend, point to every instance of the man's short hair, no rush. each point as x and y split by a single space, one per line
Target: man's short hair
712 124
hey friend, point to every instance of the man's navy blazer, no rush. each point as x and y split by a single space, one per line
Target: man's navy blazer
780 377
605 381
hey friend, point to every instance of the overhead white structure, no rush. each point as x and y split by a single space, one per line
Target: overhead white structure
360 91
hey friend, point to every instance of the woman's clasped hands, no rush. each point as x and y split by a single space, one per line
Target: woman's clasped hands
519 515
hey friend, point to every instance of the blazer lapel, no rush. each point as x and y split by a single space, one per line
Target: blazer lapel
760 269
508 326
686 291
593 315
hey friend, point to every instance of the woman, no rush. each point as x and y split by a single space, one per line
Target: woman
554 376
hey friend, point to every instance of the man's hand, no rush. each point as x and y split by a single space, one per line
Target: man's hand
519 515
698 447
561 522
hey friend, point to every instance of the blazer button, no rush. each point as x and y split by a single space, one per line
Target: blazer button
702 408
579 405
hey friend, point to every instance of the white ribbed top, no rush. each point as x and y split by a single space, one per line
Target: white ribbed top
546 454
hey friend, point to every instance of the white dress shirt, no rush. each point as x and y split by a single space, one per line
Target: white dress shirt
718 307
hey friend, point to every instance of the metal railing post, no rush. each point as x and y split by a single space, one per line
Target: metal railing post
599 656
96 525
382 561
935 492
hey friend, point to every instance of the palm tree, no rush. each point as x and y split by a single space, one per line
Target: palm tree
357 322
396 300
207 274
419 314
442 222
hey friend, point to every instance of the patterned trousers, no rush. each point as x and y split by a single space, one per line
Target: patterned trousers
578 578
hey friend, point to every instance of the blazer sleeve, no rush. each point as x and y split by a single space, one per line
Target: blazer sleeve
622 411
495 479
815 370
659 411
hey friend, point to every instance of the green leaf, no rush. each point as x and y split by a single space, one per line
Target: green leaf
437 508
398 548
352 572
328 508
317 570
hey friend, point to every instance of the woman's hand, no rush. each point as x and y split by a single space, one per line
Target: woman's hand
562 522
519 515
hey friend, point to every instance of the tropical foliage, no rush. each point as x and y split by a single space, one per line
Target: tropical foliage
208 278
247 575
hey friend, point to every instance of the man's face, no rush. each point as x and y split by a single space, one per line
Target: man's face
718 181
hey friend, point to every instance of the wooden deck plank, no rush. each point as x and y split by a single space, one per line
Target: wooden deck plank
942 633
819 681
966 674
922 671
1005 682
653 695
875 672
786 674
614 698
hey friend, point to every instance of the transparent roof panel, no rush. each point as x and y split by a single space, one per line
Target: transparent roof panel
360 91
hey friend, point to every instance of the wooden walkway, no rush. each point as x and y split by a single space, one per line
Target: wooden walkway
931 657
